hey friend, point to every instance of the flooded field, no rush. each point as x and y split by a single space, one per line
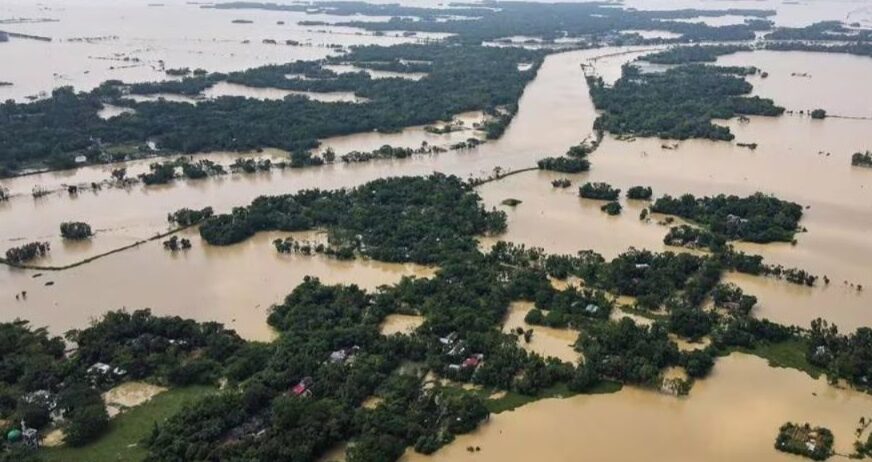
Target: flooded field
556 101
234 285
838 217
93 41
787 13
732 415
546 341
803 81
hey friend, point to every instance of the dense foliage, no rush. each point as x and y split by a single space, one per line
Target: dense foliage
592 21
564 164
834 31
693 54
599 191
76 230
846 357
756 218
55 130
678 103
640 193
612 208
862 159
27 252
421 220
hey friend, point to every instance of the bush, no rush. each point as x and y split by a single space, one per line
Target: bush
564 164
612 208
86 424
640 192
818 114
76 230
27 252
599 191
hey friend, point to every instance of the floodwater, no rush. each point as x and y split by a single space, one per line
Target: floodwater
94 41
546 341
234 285
401 324
788 13
804 80
732 415
791 162
376 74
556 102
234 89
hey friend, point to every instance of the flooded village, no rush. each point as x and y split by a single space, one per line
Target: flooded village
521 320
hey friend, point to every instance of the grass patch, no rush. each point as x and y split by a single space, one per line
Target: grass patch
789 354
121 441
512 400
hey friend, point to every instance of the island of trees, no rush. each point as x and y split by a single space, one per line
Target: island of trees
813 442
302 394
756 218
55 130
76 230
862 159
678 103
599 191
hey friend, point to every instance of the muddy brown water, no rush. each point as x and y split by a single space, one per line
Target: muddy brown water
732 415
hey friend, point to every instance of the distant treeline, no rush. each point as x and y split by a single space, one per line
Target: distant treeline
550 21
55 130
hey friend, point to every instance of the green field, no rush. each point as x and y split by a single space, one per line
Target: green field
120 443
512 400
789 354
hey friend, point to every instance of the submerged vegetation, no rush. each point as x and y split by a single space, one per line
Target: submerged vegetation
862 159
693 54
25 253
314 386
599 191
76 230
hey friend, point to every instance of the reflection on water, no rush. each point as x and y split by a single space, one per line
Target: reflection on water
234 285
732 415
546 341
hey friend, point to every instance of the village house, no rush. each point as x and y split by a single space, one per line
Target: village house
303 388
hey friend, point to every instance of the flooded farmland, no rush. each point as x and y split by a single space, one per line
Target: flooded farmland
234 285
734 414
